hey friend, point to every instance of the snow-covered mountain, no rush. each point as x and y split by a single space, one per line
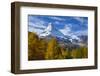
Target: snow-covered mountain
51 30
65 33
47 31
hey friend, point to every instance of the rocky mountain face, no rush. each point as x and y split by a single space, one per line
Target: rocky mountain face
64 40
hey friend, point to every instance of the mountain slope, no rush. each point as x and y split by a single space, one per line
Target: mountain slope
64 36
51 30
65 33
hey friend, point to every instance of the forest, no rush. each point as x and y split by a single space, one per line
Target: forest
41 49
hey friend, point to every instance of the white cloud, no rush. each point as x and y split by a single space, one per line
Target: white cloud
66 30
57 22
36 24
37 31
34 20
83 32
79 19
57 18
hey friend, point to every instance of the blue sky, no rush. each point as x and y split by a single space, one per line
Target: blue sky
66 24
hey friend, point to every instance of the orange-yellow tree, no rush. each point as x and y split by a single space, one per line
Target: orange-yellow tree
54 51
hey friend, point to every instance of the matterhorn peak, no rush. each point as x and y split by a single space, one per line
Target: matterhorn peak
47 31
49 27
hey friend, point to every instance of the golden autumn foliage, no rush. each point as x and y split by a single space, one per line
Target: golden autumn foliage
54 51
35 47
50 52
80 52
40 49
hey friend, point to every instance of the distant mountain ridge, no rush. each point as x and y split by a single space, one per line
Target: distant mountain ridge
68 39
51 30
